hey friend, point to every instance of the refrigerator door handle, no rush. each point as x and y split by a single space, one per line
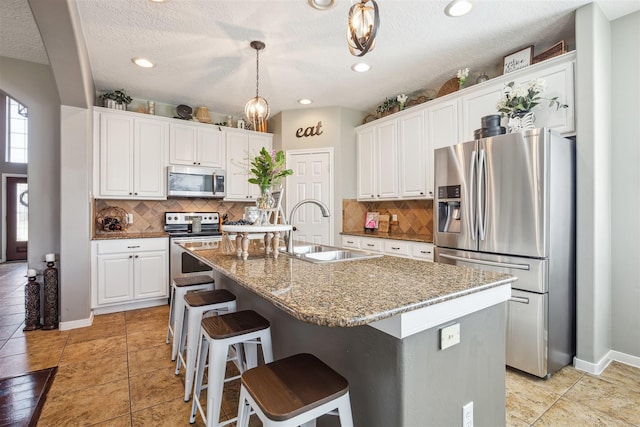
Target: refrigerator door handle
521 300
482 202
490 263
472 214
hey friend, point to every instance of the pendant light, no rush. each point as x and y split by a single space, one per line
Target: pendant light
257 109
363 26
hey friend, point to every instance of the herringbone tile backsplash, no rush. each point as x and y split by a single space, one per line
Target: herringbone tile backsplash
148 215
414 216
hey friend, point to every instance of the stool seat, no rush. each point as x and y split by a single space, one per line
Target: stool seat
201 298
192 280
234 324
289 387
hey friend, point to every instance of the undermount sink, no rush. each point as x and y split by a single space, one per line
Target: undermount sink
320 254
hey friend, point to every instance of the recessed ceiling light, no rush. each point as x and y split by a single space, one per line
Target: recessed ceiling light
360 67
304 101
142 62
157 1
458 8
322 4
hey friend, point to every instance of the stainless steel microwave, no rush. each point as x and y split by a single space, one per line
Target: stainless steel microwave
188 181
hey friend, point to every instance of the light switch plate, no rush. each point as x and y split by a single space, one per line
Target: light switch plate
449 336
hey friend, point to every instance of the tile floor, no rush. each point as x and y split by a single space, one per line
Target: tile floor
118 372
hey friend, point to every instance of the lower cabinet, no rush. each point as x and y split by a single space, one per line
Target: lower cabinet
421 251
126 271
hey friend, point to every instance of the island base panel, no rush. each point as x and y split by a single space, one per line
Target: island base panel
409 382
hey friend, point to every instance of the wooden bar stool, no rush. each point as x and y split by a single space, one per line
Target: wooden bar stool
196 306
179 287
293 392
218 334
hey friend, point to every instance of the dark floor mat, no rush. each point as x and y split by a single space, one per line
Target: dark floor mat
22 398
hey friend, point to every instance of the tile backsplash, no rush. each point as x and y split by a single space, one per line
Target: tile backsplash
414 216
148 215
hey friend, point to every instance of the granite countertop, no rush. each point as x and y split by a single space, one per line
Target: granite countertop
129 235
423 238
349 293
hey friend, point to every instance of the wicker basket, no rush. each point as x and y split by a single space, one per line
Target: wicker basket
450 86
112 219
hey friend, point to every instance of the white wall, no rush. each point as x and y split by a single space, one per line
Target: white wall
33 85
625 184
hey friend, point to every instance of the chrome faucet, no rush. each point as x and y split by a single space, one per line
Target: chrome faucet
323 208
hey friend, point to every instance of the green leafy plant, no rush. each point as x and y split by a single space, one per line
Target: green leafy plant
268 168
519 99
119 96
387 105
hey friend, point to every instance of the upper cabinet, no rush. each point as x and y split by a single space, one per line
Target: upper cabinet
242 147
442 131
196 144
413 148
131 155
377 166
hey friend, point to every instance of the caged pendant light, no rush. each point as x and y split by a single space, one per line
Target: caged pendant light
257 109
364 21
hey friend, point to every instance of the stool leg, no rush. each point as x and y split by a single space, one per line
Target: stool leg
215 385
311 423
203 348
344 411
183 338
194 320
267 348
243 409
171 298
250 355
177 322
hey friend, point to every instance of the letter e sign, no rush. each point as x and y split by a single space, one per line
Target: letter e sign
309 131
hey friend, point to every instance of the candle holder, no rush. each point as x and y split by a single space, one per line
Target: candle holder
32 305
50 296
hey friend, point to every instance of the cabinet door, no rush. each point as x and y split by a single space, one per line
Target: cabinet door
387 160
412 148
559 82
151 277
442 131
476 106
115 278
183 144
366 164
211 146
116 155
150 158
237 163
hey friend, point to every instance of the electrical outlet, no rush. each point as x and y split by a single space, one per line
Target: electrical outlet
467 415
449 336
394 217
129 218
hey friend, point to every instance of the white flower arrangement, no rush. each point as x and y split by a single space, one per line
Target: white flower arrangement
519 99
402 99
462 76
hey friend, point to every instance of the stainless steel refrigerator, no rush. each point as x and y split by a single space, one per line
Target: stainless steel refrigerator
507 204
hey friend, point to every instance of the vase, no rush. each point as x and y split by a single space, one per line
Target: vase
521 120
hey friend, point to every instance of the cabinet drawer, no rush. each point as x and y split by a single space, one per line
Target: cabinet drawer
396 247
423 251
131 245
350 242
370 244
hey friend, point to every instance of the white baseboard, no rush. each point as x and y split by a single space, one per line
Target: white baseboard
74 324
599 367
130 306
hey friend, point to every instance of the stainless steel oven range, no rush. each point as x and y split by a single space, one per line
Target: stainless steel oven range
191 227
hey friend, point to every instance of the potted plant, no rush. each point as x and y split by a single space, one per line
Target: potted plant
117 99
389 106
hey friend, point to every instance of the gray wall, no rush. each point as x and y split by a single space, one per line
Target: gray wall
33 85
625 182
337 132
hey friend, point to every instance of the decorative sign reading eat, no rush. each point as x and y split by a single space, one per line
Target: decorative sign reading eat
309 131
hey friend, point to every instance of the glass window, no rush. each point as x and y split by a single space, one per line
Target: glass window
17 132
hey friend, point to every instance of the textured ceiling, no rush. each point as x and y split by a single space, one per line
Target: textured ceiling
202 54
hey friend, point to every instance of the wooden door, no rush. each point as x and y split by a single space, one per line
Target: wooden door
17 201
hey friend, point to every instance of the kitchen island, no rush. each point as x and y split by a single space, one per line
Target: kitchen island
378 322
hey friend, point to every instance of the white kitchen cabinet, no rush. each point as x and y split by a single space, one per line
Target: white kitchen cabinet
413 147
132 156
478 104
242 147
442 131
196 144
129 270
420 251
378 161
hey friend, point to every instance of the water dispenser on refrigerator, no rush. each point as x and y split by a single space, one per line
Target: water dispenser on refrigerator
449 209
